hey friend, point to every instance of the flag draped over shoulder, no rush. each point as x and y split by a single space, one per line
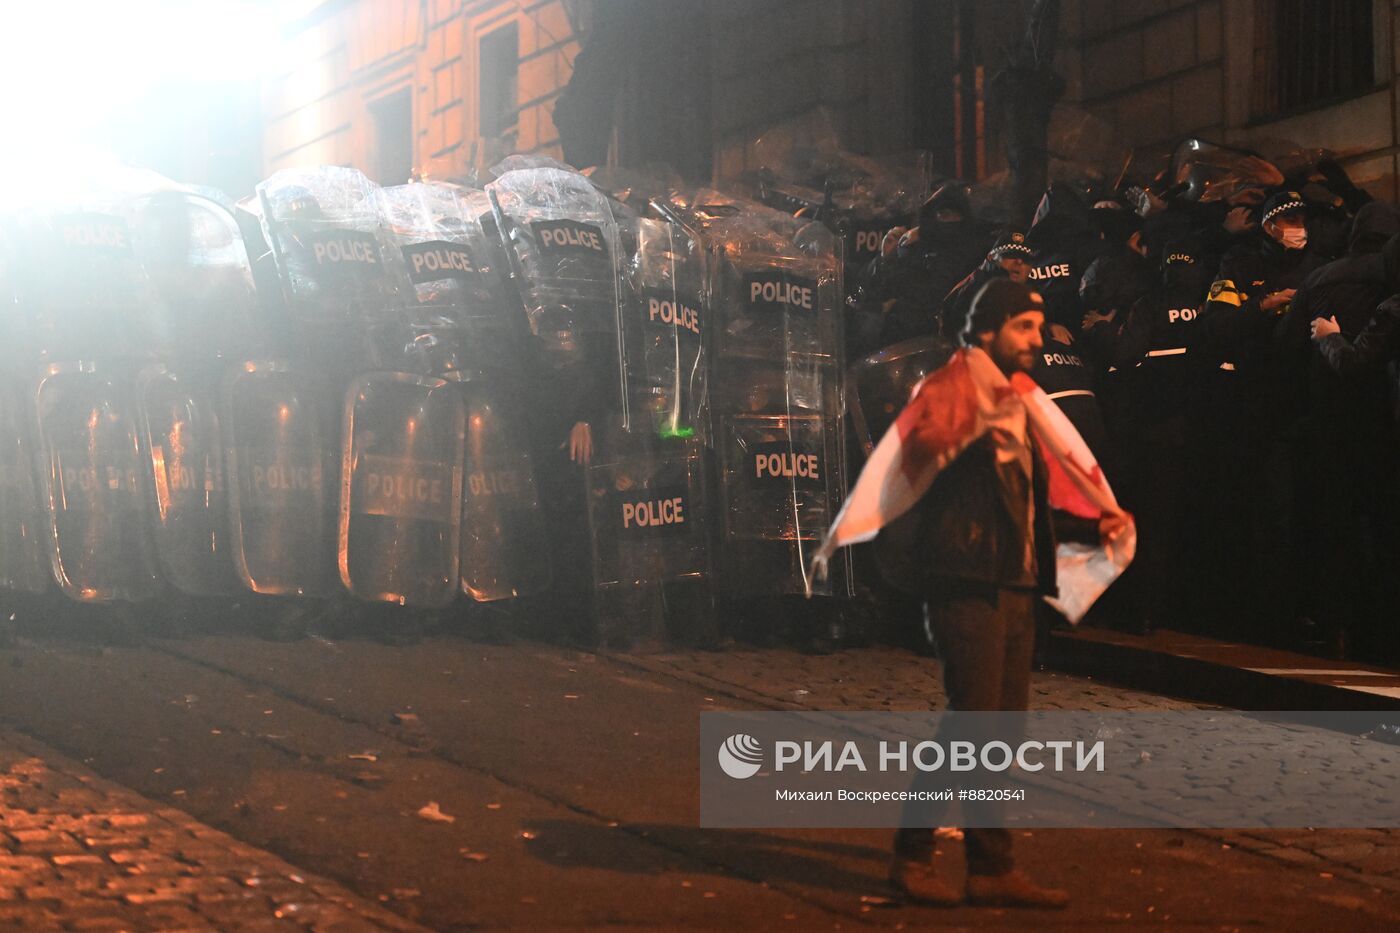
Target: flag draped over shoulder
948 411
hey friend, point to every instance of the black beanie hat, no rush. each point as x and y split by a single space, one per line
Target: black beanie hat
998 302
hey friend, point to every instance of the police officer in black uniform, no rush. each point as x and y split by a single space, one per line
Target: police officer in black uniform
1009 257
1241 416
1345 447
1154 349
928 262
1066 241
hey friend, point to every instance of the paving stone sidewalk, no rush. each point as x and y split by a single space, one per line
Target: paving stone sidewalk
80 853
896 680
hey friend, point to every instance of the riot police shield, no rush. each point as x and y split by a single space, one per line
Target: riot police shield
342 292
84 304
23 567
648 512
777 401
563 241
505 545
193 254
340 282
279 426
466 331
879 386
23 527
400 519
91 471
662 331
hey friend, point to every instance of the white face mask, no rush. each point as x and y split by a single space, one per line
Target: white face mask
1294 238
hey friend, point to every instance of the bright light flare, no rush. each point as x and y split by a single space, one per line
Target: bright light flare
68 69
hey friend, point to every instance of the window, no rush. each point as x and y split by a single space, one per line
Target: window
1310 52
393 137
499 63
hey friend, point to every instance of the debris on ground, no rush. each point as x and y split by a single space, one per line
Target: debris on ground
433 813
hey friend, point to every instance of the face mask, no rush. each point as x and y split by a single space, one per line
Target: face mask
1294 238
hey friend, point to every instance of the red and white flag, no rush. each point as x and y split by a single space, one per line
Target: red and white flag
949 410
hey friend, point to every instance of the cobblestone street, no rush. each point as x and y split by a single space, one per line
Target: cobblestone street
79 853
879 678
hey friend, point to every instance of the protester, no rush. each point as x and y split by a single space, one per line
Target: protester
967 466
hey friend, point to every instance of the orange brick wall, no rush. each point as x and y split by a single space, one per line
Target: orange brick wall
349 54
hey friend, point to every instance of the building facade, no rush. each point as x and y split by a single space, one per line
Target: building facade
395 87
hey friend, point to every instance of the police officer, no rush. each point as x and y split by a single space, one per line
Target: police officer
1239 419
928 262
1155 347
1009 257
1342 435
1066 241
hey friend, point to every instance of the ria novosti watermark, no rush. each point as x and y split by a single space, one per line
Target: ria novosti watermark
1193 768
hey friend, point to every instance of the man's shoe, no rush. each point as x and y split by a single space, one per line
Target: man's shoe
917 881
1013 889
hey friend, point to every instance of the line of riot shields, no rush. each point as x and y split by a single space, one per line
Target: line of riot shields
417 396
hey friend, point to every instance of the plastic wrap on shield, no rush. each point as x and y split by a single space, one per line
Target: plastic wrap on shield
782 482
777 399
201 280
401 485
649 511
337 270
1205 171
800 166
564 237
440 246
89 461
280 426
879 385
79 289
663 331
193 252
777 296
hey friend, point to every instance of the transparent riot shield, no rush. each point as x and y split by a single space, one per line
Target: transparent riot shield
878 386
341 298
777 396
86 315
340 282
181 432
400 519
649 512
563 241
279 423
23 525
194 256
466 329
505 544
89 460
662 332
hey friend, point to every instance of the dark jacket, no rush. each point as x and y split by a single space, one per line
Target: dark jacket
1066 242
1377 344
963 535
1350 289
910 285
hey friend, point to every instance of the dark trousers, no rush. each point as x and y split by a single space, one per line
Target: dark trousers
985 641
